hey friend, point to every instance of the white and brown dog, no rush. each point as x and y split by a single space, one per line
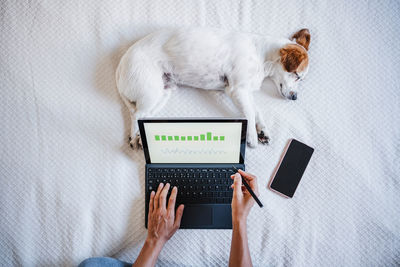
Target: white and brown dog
210 59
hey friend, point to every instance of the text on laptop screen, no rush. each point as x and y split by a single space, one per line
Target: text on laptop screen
189 142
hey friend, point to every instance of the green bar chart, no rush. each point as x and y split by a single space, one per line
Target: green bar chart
208 136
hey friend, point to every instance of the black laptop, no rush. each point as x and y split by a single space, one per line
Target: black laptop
196 155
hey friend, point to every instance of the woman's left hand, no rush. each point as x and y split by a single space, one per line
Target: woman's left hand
162 220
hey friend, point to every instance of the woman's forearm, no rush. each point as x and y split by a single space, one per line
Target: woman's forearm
240 254
149 254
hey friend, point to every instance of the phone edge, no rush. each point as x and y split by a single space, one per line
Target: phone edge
276 170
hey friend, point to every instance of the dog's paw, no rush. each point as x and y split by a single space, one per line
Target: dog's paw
136 142
263 138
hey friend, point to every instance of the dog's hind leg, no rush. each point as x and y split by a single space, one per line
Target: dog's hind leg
133 114
163 100
141 86
146 108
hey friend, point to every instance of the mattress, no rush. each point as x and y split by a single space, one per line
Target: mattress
71 187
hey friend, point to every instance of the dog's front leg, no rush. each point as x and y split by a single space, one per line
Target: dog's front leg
243 99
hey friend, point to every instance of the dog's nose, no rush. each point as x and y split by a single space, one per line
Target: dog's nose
293 95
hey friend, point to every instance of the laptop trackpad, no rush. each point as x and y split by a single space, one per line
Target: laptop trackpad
197 215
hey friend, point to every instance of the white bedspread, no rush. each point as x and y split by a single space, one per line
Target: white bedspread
71 187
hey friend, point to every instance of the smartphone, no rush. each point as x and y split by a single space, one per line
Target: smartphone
290 169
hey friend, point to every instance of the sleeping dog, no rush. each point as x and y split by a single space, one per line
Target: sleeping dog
210 59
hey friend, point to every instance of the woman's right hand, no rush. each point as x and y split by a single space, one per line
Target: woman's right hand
242 201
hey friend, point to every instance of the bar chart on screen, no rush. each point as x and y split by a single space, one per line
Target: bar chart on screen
208 136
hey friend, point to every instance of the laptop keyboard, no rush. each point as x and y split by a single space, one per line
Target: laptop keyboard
195 185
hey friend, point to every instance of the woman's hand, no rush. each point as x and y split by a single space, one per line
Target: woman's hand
162 224
162 221
242 200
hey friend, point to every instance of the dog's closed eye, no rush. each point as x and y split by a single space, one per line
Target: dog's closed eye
298 77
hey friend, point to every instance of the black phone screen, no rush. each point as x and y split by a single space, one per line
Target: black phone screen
292 167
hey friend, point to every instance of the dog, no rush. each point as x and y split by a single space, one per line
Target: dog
210 59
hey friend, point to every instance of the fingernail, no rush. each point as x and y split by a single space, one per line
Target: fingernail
161 185
175 188
152 193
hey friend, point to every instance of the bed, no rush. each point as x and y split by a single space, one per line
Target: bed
71 187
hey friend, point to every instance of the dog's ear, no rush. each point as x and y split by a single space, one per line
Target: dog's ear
303 38
293 58
268 68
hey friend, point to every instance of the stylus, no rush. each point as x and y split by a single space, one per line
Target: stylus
249 189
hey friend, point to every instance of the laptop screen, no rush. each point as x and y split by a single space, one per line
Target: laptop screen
192 141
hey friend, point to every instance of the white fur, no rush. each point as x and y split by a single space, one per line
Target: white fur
202 58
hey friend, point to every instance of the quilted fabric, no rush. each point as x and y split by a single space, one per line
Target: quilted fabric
71 187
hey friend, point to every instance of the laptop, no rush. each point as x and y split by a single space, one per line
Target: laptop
196 155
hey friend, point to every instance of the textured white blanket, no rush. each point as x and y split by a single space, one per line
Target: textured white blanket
71 188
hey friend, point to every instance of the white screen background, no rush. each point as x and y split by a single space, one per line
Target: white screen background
191 151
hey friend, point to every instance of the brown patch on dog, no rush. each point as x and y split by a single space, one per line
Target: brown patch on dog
303 38
293 58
